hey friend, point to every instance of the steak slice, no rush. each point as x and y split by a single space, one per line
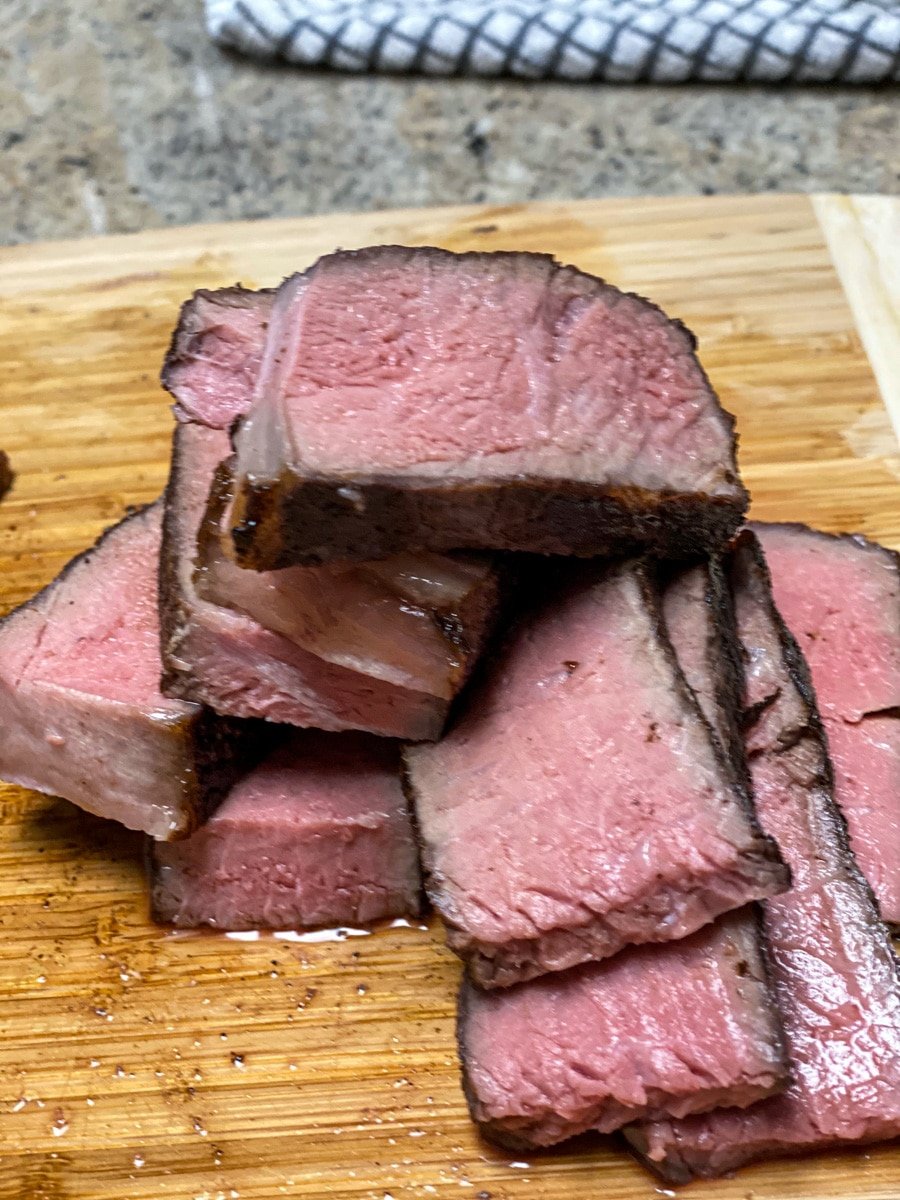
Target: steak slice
416 399
580 802
840 597
675 1029
81 714
6 475
834 969
317 834
382 646
215 354
671 1029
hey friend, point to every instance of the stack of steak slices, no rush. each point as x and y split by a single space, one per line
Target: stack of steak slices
623 795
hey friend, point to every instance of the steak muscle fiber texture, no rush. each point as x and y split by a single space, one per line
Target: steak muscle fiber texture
840 597
833 965
414 399
672 1029
318 834
81 714
379 646
581 803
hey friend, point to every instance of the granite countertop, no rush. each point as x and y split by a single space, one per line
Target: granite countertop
121 115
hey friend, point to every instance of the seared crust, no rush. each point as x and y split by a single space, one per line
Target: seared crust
6 475
306 519
747 544
860 541
378 516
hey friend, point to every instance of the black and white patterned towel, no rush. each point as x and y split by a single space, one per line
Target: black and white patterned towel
619 41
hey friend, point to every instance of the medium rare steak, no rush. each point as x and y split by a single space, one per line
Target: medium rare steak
580 803
215 354
81 714
840 597
318 834
674 1029
380 646
415 399
834 970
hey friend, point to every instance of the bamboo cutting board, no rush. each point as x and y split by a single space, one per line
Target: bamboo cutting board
139 1064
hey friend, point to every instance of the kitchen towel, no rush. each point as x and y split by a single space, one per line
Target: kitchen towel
618 41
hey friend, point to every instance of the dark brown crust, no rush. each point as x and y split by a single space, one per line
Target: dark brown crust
748 544
6 475
748 548
376 517
769 850
490 972
187 327
304 520
859 541
173 613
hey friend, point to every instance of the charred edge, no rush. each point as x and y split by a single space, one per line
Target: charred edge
173 613
492 1131
429 892
188 326
479 609
6 475
785 1064
768 848
724 657
221 493
797 669
669 1170
150 865
725 665
274 519
222 749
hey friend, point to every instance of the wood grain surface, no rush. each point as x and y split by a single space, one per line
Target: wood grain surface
136 1063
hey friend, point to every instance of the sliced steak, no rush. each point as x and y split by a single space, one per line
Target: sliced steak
215 354
840 597
416 399
580 803
677 1029
81 714
6 475
382 646
318 834
833 966
671 1029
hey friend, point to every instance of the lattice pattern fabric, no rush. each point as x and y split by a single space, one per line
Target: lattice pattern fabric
619 41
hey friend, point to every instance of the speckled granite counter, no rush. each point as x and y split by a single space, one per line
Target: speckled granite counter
120 114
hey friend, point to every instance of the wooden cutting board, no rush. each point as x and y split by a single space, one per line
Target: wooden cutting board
135 1063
